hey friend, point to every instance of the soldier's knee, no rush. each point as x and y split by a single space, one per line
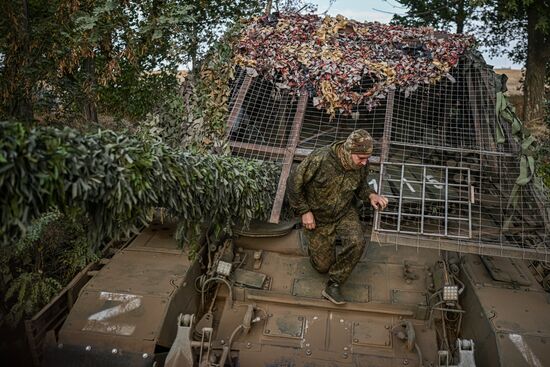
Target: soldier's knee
355 242
321 267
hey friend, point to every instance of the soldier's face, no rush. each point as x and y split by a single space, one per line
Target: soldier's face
360 160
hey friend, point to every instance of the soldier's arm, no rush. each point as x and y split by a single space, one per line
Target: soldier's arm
298 180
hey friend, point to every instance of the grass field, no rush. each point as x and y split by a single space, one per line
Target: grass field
515 94
514 83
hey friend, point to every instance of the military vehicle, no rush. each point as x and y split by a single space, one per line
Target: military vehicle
455 272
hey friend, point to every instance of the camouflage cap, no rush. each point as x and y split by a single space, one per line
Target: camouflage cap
359 142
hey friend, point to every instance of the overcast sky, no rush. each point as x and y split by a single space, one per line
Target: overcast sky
382 11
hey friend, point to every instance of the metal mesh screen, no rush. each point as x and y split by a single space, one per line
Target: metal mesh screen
449 182
456 174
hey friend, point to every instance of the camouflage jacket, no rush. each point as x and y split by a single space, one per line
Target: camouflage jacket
321 185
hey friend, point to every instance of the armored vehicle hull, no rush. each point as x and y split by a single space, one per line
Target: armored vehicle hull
256 301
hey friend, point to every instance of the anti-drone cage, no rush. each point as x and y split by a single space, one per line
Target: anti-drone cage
451 167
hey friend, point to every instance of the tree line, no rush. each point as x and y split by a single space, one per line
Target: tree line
79 58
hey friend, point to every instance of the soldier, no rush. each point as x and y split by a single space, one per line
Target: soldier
321 191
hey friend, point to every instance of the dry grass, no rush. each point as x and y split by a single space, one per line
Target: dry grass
515 96
515 81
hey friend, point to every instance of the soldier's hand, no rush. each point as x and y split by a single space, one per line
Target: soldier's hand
378 201
308 220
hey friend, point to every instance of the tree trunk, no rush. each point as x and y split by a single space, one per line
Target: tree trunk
90 112
538 54
89 107
460 17
193 52
20 103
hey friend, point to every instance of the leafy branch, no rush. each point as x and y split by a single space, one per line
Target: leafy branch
118 180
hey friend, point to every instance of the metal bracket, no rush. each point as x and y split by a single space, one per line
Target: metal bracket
465 353
180 354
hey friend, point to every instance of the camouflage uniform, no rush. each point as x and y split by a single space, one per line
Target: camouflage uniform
325 184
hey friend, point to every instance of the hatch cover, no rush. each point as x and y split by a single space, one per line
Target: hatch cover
506 270
285 325
372 332
249 278
407 297
312 287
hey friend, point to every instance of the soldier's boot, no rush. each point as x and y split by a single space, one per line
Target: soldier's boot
333 294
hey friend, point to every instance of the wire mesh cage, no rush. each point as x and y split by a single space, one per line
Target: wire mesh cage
456 174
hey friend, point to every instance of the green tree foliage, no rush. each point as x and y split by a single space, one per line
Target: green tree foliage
208 108
22 42
211 19
80 57
439 14
196 117
117 180
34 269
543 170
27 294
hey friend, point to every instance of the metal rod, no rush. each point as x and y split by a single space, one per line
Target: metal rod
271 297
250 148
451 149
423 199
376 212
469 210
384 153
431 183
239 100
424 165
462 244
433 200
400 198
427 199
318 135
388 119
289 157
425 216
301 153
446 198
426 234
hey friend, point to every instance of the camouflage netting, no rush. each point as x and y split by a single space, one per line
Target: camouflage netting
343 62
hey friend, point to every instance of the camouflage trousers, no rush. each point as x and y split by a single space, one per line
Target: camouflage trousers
322 249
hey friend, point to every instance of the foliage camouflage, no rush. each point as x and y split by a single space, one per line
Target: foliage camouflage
167 121
53 250
196 118
211 96
118 180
